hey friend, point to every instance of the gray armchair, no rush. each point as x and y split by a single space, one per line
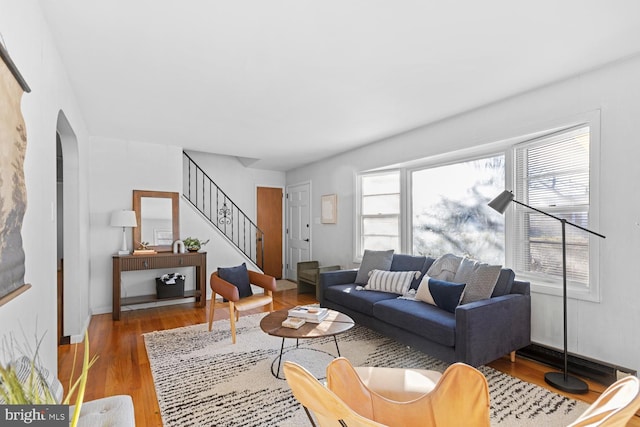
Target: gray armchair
309 276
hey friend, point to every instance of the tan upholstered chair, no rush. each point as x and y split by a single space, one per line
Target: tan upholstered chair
615 407
237 304
308 273
460 397
328 409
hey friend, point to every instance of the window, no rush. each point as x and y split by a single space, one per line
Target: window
450 212
379 227
552 174
441 206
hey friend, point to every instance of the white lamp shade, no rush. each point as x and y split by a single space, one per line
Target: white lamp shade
123 219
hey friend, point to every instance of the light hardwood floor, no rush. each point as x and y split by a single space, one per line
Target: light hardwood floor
123 366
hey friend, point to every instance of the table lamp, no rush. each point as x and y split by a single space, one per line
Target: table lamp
124 219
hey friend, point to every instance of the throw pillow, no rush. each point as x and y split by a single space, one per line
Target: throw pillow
396 282
373 260
446 295
480 279
238 277
445 267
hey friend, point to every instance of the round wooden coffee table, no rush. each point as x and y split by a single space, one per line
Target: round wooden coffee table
335 323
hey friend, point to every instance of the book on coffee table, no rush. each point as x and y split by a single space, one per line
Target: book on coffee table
310 313
293 322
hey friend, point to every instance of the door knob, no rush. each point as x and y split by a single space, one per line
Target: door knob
306 240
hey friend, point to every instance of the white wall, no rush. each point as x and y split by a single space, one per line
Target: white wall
117 168
606 330
26 35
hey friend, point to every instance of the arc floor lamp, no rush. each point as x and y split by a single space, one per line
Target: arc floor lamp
560 380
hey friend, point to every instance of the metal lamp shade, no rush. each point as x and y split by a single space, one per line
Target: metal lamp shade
501 202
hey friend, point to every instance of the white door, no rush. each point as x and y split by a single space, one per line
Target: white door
298 227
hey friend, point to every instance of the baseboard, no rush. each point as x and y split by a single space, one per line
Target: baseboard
78 338
601 372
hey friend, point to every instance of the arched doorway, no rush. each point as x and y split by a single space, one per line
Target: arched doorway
68 228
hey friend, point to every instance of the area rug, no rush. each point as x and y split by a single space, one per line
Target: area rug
202 379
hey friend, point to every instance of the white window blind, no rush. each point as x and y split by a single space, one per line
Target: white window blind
379 211
552 174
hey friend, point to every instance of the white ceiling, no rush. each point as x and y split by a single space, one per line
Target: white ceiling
288 82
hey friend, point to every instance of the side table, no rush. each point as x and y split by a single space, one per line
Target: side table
161 260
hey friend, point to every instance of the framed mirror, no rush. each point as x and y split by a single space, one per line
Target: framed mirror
158 217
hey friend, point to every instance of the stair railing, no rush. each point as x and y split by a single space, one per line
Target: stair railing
214 204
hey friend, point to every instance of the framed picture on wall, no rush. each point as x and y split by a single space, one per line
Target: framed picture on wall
329 209
13 189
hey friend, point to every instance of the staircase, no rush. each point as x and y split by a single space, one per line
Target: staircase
206 197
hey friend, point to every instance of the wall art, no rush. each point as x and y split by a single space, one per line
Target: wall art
329 206
13 191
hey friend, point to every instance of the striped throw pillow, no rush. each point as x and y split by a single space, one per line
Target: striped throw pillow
396 282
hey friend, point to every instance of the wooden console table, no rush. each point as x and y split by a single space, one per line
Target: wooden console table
161 260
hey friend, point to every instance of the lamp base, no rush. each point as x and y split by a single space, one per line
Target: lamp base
567 383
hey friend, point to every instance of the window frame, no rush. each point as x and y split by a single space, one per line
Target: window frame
359 217
505 146
551 285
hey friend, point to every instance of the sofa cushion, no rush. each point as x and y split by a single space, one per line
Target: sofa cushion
446 295
378 260
238 277
422 319
445 267
504 283
361 301
396 282
402 262
480 278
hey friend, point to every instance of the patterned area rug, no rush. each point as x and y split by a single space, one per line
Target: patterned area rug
202 379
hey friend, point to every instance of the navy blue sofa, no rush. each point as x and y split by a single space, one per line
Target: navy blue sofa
476 333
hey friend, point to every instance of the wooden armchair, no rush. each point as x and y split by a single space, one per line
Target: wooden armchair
230 293
308 273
